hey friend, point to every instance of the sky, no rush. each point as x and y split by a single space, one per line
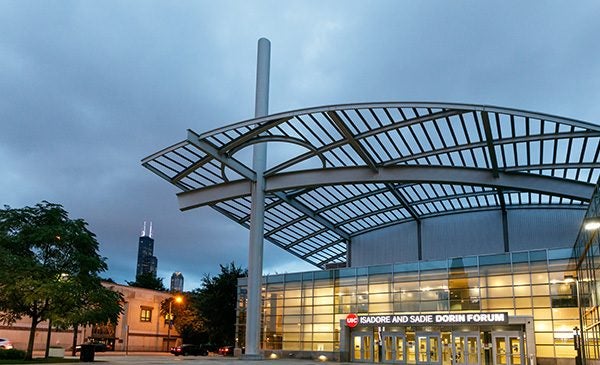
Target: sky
90 88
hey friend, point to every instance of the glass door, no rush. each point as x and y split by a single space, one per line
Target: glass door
466 348
507 348
429 348
394 348
362 347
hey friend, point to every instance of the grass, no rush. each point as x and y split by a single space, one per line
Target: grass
50 360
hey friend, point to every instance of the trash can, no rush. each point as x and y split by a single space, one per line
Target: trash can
87 352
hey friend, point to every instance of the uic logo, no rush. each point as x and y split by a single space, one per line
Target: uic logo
351 320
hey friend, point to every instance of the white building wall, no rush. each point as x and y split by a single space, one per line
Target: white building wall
471 234
549 229
392 244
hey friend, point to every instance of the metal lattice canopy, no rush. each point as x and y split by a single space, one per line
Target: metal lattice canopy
340 171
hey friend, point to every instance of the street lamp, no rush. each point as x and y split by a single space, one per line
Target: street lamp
576 334
591 223
577 345
178 299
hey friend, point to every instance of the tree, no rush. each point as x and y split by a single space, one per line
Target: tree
217 300
186 318
49 263
90 304
148 281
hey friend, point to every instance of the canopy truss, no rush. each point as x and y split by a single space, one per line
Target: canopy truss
344 170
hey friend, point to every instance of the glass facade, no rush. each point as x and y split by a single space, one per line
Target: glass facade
302 311
587 265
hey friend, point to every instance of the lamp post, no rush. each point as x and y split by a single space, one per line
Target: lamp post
577 339
577 345
177 300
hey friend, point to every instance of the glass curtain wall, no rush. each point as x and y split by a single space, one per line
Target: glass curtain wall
302 311
587 266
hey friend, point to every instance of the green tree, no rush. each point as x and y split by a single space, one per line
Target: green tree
148 281
186 318
217 303
47 259
90 304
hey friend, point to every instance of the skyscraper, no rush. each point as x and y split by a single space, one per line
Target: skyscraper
146 261
177 282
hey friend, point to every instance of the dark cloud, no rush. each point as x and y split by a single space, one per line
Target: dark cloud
90 88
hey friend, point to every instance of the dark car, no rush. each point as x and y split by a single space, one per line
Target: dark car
226 350
189 349
98 346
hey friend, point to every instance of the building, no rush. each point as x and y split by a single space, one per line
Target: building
177 282
587 277
443 232
146 261
141 327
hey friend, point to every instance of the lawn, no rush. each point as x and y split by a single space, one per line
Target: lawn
50 360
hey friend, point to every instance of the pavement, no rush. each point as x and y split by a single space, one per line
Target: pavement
159 358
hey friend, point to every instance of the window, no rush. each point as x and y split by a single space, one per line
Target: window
146 314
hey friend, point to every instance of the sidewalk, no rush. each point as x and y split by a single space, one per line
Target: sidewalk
157 358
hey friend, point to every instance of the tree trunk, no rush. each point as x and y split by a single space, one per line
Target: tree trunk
75 327
34 323
47 354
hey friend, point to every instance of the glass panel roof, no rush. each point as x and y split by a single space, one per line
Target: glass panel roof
382 164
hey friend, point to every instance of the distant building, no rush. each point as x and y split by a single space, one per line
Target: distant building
141 326
177 282
146 261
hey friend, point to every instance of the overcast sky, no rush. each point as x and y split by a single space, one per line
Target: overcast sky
89 88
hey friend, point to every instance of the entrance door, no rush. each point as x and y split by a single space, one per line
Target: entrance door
466 348
429 348
362 347
507 348
394 348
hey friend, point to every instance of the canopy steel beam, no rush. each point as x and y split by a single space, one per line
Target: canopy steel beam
311 214
424 174
211 150
341 126
398 195
489 140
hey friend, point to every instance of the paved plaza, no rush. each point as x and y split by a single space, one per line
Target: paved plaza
160 358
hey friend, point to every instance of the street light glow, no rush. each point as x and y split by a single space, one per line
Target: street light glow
592 224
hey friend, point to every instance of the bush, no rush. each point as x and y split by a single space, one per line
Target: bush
12 354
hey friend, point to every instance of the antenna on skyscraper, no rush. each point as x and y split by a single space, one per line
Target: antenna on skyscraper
144 230
150 230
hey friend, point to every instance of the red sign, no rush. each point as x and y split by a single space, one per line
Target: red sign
351 320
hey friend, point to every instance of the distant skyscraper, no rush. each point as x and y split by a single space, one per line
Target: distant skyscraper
146 261
177 282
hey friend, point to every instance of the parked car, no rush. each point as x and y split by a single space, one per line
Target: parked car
5 344
189 349
226 350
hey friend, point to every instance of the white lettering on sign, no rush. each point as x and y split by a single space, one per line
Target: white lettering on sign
433 318
423 318
375 319
399 319
485 317
450 318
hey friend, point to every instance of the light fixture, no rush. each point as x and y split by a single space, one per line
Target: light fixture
591 223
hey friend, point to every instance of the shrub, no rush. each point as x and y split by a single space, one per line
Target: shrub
12 354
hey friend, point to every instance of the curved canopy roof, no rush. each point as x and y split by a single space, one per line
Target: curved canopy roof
340 171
